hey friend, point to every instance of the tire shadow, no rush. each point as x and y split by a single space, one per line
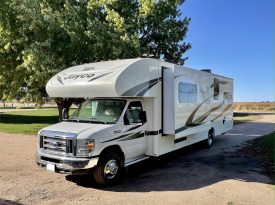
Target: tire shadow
9 202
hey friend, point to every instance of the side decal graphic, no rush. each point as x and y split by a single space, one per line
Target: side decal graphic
205 115
225 109
181 129
134 136
190 123
190 118
60 79
141 89
99 76
119 137
133 128
153 132
128 136
180 140
74 77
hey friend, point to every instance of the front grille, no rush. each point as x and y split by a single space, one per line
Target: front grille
56 144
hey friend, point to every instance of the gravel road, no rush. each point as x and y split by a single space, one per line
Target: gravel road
220 175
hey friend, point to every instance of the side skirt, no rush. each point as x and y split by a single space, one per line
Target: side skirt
136 160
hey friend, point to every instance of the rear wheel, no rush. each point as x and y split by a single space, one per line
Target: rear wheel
109 169
209 141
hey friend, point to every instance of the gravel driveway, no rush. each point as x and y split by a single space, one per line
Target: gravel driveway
220 175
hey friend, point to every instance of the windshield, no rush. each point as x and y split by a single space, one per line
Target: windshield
106 111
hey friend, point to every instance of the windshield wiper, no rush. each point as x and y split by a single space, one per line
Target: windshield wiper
87 120
97 120
74 119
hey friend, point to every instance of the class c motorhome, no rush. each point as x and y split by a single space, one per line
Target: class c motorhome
134 109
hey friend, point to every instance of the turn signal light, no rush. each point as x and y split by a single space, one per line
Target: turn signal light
90 146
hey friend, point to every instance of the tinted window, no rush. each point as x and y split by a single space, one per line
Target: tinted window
216 88
132 114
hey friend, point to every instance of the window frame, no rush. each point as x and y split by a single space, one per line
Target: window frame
125 115
195 93
216 88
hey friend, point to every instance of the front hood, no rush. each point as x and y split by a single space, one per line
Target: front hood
83 130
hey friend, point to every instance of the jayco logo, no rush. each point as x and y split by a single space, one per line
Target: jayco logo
74 76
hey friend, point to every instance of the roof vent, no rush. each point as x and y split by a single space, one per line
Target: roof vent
206 70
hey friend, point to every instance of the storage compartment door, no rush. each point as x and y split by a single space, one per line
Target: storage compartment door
168 111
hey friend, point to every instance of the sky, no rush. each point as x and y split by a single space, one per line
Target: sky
236 39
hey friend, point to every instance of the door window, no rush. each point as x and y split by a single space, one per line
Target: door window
133 113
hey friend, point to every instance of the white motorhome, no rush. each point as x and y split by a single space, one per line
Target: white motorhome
134 109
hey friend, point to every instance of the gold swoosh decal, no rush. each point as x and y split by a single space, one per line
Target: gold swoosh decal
205 115
190 118
225 109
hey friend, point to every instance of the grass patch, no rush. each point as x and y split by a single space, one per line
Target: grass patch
243 119
268 144
263 150
27 122
7 108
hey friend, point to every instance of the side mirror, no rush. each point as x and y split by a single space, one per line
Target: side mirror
126 121
142 116
64 114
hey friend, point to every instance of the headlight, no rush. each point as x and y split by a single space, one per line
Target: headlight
85 148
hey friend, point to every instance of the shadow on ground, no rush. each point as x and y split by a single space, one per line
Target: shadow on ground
27 119
185 169
245 114
8 202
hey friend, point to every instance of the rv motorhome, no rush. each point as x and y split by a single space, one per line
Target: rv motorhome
134 109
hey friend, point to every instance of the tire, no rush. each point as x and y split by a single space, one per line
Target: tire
210 139
109 169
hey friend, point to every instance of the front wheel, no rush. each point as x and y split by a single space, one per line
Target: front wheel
209 141
109 169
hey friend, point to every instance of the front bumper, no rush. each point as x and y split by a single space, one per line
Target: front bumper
68 165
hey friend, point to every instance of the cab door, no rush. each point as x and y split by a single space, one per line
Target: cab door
134 126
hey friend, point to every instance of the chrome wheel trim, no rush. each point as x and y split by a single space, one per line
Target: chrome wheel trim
110 169
210 139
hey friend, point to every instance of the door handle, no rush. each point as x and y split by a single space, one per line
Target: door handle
117 131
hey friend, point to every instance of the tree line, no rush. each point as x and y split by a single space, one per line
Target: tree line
39 38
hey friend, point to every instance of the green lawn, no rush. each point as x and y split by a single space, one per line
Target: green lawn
30 122
268 144
27 122
242 119
264 151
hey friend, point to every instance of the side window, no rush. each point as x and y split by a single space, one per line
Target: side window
216 88
133 113
228 99
187 92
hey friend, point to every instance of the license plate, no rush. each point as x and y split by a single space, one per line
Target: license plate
50 167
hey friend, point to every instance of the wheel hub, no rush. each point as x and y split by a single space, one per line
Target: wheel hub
210 139
110 169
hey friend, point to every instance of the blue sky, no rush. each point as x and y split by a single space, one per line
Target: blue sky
235 38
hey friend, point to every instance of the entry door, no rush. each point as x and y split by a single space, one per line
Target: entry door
134 129
168 104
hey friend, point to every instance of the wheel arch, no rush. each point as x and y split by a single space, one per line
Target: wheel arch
212 130
113 148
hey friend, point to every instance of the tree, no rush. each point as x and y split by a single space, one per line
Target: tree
162 30
39 38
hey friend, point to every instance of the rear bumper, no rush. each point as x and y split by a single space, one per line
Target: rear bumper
67 165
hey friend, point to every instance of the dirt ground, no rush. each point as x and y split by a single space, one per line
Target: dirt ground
220 175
